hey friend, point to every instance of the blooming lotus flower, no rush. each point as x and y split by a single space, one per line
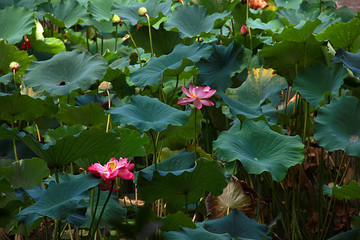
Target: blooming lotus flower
197 95
112 169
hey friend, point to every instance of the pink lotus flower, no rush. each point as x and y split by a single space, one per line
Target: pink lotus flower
244 30
197 95
112 169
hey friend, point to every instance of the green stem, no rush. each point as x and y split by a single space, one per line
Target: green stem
102 45
103 209
154 143
176 86
195 133
132 40
14 77
87 39
56 228
149 26
247 16
109 115
116 29
94 214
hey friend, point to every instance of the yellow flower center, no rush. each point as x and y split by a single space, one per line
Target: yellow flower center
112 165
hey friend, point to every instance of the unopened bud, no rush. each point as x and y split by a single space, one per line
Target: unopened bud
244 30
142 11
14 66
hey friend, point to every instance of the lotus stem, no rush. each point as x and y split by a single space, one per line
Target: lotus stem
247 16
116 29
149 26
103 209
109 115
94 213
154 144
132 40
195 134
14 77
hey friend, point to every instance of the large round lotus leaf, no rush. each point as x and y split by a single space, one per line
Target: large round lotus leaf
77 71
260 149
155 10
217 70
87 115
39 43
169 65
298 33
214 6
198 233
173 222
350 191
294 4
192 20
318 81
67 13
69 148
273 25
337 125
30 4
184 186
100 9
60 200
261 84
148 113
343 35
163 41
237 107
15 22
26 173
22 107
288 57
350 60
8 54
238 226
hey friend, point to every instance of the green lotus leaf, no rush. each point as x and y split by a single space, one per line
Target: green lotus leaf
260 85
39 43
169 65
238 225
15 22
67 13
294 4
350 60
217 70
22 107
184 18
185 186
260 149
60 132
155 10
30 4
198 233
219 6
288 57
26 173
350 191
8 54
173 222
113 214
69 148
87 115
337 125
100 10
148 113
316 82
76 70
343 35
60 200
175 165
273 25
352 234
132 143
163 41
298 33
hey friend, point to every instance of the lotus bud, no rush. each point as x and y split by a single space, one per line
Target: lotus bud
244 30
14 66
104 86
142 11
116 20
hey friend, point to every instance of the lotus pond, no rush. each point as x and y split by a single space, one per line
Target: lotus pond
202 119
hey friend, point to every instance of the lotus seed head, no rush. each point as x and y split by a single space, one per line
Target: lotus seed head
14 66
142 11
116 19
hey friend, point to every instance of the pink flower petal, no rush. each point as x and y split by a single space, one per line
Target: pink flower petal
185 91
197 104
125 174
96 168
130 166
185 101
209 94
191 88
207 102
